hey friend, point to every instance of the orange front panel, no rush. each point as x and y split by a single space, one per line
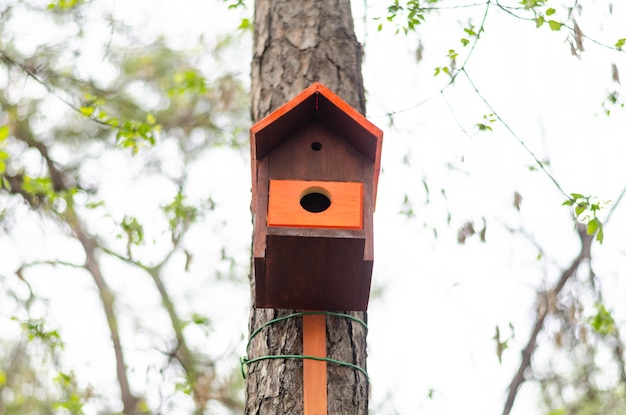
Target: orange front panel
315 204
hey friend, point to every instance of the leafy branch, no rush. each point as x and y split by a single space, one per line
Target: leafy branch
495 114
542 14
586 209
129 133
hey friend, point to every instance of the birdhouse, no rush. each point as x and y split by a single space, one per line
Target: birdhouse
315 167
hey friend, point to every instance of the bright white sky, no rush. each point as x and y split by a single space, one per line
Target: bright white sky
433 327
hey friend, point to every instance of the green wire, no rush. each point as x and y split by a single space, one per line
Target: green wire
303 313
245 361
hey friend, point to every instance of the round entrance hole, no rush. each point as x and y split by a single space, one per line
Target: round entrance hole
316 146
315 200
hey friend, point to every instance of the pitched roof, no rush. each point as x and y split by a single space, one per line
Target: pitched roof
317 103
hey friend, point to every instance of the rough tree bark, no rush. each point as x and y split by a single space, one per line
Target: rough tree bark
297 43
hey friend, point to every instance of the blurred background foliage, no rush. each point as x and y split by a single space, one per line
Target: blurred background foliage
114 135
89 105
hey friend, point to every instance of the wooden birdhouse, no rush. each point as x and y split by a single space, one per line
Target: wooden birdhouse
315 167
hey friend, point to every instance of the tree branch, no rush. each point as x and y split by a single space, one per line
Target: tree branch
181 352
542 312
106 295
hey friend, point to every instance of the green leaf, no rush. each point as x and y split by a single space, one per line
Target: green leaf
63 379
620 43
580 208
593 225
380 27
470 31
200 320
245 24
143 407
577 196
133 230
4 132
94 205
600 235
602 322
150 119
184 387
87 111
465 42
540 21
550 11
554 25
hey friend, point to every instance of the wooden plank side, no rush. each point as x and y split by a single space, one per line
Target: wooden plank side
318 232
315 378
259 203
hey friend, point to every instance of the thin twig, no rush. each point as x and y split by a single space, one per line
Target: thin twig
508 10
617 202
51 90
517 137
481 29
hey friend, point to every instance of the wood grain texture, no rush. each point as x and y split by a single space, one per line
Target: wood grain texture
314 273
345 210
337 160
295 44
314 344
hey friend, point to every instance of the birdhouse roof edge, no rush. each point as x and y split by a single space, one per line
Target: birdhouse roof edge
316 88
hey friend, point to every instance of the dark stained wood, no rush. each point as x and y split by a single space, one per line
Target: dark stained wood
368 216
317 103
296 43
314 137
259 207
314 273
337 160
282 123
317 232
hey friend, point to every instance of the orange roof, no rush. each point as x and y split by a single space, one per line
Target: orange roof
316 103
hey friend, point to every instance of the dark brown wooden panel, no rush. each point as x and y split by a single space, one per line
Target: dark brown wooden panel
270 132
356 134
259 207
314 274
296 158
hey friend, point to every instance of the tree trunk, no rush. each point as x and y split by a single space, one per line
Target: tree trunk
297 43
